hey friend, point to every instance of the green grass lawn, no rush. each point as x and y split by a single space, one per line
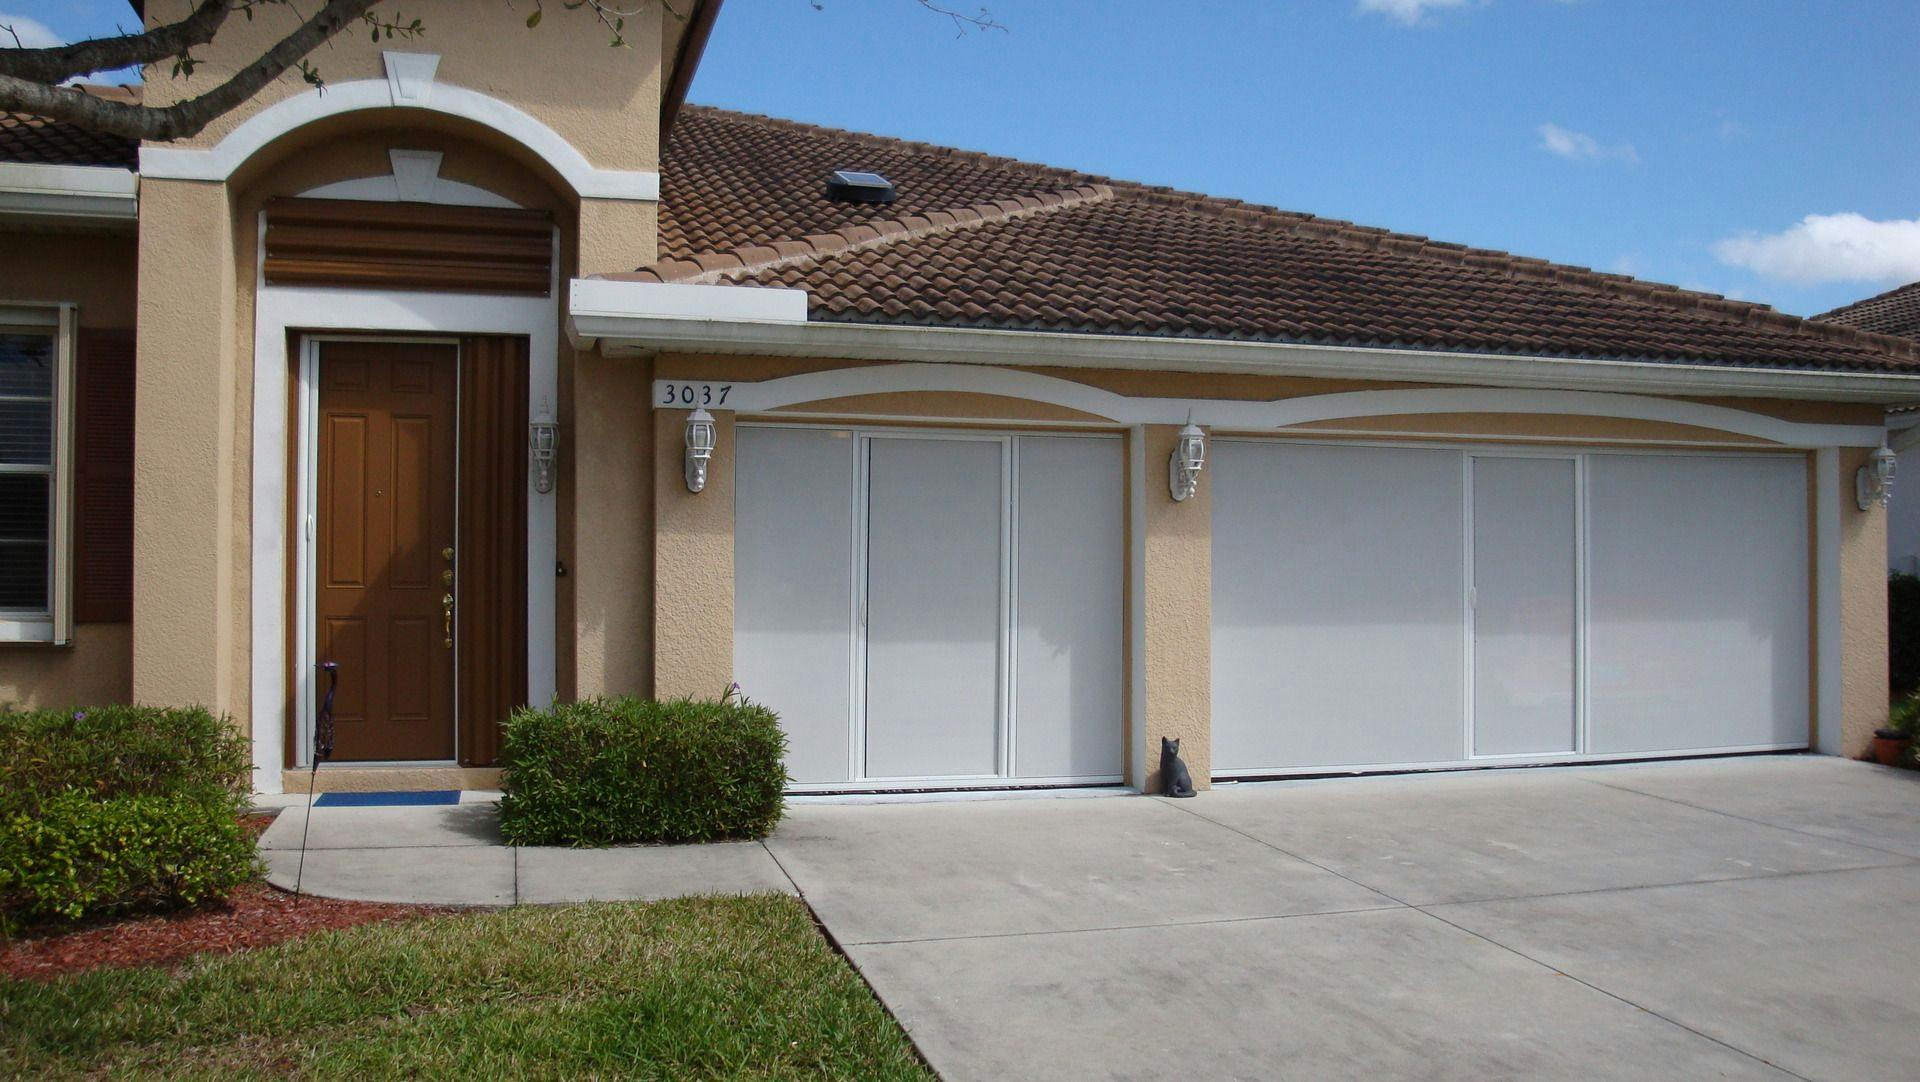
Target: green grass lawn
693 988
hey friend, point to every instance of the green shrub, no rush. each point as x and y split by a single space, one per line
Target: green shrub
120 751
1903 633
119 809
80 857
619 771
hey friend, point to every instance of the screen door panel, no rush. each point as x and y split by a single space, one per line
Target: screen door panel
935 564
793 589
1525 583
1071 566
1699 634
1339 606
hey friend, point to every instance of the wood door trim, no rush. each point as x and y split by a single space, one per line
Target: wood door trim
411 246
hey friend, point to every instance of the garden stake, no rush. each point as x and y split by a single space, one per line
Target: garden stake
322 750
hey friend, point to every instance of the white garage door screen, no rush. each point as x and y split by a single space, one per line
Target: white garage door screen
932 609
1405 607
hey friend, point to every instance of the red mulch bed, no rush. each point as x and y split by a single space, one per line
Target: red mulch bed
256 916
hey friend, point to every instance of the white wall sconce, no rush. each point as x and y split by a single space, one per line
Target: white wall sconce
1873 482
543 448
1184 465
700 440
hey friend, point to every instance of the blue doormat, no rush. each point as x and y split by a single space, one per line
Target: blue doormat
387 800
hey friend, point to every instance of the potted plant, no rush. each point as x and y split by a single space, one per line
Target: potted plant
1891 744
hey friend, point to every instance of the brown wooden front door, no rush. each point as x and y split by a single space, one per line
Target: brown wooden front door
384 545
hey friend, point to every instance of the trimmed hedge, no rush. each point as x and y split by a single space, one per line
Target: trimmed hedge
623 771
118 809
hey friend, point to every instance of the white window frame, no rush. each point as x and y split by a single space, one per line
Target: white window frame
55 623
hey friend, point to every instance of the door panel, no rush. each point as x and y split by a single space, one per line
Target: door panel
933 604
793 581
386 508
1068 628
1698 636
1339 606
1524 585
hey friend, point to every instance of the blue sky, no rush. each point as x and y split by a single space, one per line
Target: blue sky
1766 149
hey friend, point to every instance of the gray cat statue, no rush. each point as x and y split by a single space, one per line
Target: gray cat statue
1174 779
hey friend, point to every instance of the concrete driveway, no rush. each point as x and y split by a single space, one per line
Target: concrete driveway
1741 918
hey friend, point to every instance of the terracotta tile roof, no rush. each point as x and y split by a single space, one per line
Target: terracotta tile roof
39 141
1897 311
980 241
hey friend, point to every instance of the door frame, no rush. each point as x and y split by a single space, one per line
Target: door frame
1582 454
306 543
277 683
860 436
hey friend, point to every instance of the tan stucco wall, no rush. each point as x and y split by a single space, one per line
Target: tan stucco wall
604 101
94 270
1177 605
95 668
187 645
1863 612
693 564
612 569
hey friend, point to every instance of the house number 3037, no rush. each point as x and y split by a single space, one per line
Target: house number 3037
676 393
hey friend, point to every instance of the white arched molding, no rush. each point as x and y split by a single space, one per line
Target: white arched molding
415 179
788 392
409 86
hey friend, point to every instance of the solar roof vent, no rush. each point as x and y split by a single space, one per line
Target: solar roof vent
851 186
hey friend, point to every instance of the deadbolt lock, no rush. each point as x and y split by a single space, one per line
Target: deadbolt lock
447 553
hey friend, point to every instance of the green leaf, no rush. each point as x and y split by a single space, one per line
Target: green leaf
533 20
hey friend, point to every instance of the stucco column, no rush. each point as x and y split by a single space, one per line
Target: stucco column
693 563
185 639
1173 583
613 504
1863 611
612 567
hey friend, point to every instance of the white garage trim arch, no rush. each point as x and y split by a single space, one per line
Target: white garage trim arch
798 390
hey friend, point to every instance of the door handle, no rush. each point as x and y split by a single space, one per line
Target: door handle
446 613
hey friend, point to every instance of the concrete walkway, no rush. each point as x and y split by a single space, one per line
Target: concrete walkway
453 855
1743 918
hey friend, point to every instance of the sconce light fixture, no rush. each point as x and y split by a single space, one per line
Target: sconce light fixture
700 440
1873 482
1184 465
543 447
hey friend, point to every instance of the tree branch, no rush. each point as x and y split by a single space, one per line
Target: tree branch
59 63
185 118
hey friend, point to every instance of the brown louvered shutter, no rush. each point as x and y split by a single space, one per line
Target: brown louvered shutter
344 242
103 477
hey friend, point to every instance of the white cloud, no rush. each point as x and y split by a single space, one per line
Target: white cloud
1844 247
32 32
1579 146
1408 12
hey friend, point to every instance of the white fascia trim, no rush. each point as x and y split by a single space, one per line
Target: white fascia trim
597 301
90 192
957 345
218 162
